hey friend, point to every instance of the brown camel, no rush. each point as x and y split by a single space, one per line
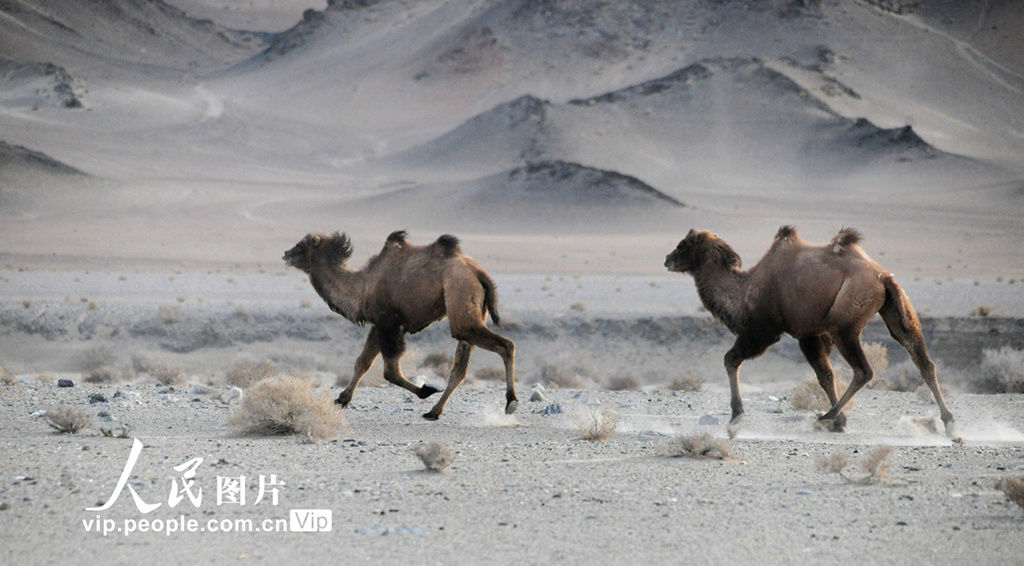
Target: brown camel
404 289
821 295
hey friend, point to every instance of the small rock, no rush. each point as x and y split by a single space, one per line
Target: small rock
97 398
537 395
200 389
552 409
707 420
65 383
231 395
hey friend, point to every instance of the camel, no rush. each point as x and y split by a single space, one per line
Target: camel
404 289
821 295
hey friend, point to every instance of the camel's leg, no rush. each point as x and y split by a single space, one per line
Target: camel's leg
816 349
745 348
910 337
370 350
392 346
848 342
459 366
483 337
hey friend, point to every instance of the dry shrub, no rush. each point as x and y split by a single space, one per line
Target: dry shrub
440 363
833 463
701 446
168 375
168 314
875 464
98 357
558 377
66 419
878 357
434 455
809 396
490 374
247 372
1002 371
6 377
622 382
1013 488
982 311
598 424
287 405
689 381
104 374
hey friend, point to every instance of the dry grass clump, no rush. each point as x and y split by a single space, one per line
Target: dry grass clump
689 381
833 463
104 374
622 382
6 377
99 357
554 376
1002 371
701 446
434 455
598 424
875 465
490 374
809 396
440 363
66 419
287 405
1013 488
247 372
168 375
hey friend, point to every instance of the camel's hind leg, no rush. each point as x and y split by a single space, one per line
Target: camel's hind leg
459 366
848 342
483 337
816 349
906 330
370 350
392 346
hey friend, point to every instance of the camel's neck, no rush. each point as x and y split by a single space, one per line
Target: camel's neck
721 290
341 289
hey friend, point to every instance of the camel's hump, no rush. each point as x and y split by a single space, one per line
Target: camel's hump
448 243
786 232
844 239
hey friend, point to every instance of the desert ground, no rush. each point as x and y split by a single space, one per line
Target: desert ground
157 158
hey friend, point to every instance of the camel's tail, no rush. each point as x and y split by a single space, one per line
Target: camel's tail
897 308
490 296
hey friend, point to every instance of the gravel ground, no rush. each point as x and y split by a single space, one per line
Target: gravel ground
521 489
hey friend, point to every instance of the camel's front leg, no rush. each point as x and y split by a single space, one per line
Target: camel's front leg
746 347
459 366
392 346
370 350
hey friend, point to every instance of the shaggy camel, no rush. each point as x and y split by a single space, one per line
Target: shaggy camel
821 295
404 289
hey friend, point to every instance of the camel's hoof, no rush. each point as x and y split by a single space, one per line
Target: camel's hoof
736 420
511 407
426 391
431 416
342 402
831 424
952 432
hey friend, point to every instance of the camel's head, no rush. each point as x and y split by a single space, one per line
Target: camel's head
698 248
333 250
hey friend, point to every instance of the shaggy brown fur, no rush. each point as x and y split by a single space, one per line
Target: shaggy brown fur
403 289
821 295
